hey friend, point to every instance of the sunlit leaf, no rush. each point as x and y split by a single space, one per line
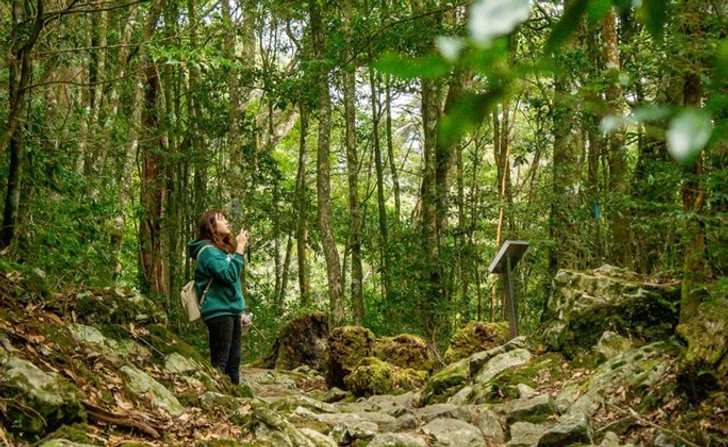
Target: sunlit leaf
688 134
449 47
409 68
567 25
651 113
493 18
611 123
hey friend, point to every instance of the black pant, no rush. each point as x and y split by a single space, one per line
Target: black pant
225 349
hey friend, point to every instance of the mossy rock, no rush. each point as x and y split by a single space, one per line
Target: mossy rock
53 399
585 304
76 433
474 337
302 341
446 383
707 335
373 376
347 346
117 306
404 351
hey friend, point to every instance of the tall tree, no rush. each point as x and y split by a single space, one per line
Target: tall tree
27 23
323 166
352 170
618 173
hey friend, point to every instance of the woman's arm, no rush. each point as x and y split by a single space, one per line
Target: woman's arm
221 266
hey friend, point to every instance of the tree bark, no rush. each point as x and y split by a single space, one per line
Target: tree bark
304 284
379 169
618 175
392 162
323 167
22 42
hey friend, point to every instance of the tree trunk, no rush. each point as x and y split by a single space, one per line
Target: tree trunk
352 170
323 167
304 284
22 42
392 162
433 290
618 175
565 178
379 168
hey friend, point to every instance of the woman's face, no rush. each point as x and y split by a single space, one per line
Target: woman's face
221 225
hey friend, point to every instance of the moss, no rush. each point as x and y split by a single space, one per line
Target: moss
347 346
373 376
300 342
474 337
77 433
504 386
404 351
445 383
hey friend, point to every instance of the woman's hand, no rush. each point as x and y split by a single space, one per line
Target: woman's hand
242 239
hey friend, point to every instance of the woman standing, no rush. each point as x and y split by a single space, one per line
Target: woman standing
219 261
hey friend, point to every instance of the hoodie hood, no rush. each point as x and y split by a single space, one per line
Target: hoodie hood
194 247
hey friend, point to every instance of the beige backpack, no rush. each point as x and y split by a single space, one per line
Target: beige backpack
188 296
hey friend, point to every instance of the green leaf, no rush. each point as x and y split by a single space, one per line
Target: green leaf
721 63
598 9
567 25
466 114
430 67
654 15
689 132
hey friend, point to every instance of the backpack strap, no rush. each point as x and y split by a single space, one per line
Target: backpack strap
209 283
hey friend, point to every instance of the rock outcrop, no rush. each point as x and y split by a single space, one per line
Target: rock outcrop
585 304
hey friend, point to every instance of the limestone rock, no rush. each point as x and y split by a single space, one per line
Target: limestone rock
525 434
476 336
54 400
570 430
531 409
113 350
454 432
272 429
404 351
397 440
348 432
302 341
142 384
118 306
318 439
347 346
611 345
180 364
446 382
373 376
64 443
707 335
502 362
335 395
585 304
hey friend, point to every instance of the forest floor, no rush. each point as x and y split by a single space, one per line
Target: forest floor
115 416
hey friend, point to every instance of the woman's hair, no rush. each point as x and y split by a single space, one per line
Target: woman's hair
208 230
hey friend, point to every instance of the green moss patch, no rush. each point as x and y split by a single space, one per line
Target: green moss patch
347 346
474 337
405 351
373 376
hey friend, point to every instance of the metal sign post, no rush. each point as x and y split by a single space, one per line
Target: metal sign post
508 256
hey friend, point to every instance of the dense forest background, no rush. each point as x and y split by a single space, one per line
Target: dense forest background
378 152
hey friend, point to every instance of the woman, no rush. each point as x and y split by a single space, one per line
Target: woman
219 261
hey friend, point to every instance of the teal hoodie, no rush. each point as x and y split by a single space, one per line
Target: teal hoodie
224 297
